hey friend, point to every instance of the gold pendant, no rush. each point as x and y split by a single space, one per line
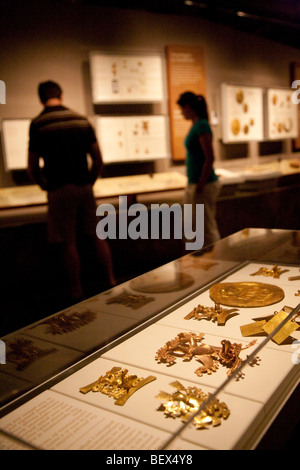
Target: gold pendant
267 325
216 313
274 272
184 402
288 328
117 383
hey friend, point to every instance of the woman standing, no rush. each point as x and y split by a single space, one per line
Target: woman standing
203 185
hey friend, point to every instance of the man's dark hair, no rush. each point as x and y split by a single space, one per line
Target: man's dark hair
48 90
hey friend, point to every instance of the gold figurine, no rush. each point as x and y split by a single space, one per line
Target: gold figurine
117 383
275 272
216 313
189 345
184 402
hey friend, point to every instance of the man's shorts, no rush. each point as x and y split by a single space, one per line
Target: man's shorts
71 210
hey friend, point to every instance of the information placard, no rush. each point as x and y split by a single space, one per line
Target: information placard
132 138
242 113
186 72
126 78
15 134
282 114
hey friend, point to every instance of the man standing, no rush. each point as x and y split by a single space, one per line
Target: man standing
63 140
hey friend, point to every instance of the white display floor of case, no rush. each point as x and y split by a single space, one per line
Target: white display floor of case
64 418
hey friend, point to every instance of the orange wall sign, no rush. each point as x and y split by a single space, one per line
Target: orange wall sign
186 72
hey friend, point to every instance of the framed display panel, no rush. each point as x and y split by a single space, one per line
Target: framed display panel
295 75
15 133
126 78
132 138
282 114
242 113
66 413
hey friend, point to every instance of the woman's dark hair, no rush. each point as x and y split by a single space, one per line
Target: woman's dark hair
196 102
48 90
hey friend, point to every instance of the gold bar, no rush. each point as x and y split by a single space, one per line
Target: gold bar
253 328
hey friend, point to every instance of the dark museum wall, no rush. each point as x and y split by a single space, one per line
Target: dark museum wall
53 39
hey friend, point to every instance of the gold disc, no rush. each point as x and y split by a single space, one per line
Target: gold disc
235 126
246 294
239 96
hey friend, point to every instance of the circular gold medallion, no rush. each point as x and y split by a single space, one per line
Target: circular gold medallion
246 294
235 126
239 96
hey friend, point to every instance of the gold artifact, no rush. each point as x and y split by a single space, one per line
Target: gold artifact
186 401
284 332
145 127
235 127
189 345
216 313
266 325
117 383
252 329
246 294
298 293
287 125
274 272
239 96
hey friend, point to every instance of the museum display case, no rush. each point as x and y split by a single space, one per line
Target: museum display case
201 353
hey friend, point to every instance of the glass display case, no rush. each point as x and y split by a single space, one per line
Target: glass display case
201 353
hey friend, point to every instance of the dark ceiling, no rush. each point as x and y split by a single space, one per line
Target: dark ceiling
278 20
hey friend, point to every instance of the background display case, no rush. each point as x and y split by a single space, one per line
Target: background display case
48 362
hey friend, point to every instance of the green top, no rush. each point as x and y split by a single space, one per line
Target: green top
195 155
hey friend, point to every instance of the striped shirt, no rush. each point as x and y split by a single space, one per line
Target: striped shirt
62 138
